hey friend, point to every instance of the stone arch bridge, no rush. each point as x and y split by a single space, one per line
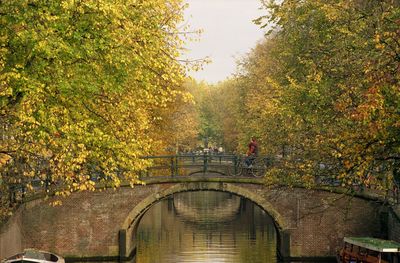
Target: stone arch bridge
102 224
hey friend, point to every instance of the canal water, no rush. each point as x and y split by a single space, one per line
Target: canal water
206 226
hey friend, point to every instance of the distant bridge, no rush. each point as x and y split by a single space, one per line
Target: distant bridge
222 164
212 165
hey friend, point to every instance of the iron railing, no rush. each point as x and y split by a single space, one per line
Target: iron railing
189 164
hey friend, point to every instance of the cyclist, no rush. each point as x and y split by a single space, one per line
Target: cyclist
252 152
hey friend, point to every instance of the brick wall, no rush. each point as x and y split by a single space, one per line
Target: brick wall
87 224
10 237
318 220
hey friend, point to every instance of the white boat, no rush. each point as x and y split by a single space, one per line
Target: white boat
34 256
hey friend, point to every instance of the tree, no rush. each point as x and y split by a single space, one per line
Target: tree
82 85
329 54
321 91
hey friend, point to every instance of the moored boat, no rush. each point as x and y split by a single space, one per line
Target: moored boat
369 250
34 256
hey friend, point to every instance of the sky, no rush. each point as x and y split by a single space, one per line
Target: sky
228 34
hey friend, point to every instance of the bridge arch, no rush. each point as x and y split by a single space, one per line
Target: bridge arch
127 233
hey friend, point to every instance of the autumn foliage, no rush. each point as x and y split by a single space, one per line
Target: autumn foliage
84 87
87 87
322 93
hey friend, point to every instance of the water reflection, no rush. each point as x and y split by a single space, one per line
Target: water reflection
205 208
204 227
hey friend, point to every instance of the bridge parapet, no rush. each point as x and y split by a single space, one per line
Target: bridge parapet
168 168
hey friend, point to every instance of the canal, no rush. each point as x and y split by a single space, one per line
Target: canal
206 226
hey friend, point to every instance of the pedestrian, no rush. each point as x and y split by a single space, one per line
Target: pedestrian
252 152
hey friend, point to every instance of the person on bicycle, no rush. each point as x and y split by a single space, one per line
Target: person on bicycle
252 152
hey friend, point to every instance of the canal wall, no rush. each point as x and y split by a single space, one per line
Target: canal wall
94 225
393 223
10 237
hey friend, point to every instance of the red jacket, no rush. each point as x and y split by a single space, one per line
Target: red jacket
253 149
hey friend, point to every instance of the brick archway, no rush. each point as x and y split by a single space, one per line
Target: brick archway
127 233
310 223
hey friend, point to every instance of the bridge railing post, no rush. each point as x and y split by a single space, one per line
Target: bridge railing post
176 166
235 164
172 166
205 162
12 196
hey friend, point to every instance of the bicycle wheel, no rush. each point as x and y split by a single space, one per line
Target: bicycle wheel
259 168
235 170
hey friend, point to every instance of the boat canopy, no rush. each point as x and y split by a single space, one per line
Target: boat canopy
374 244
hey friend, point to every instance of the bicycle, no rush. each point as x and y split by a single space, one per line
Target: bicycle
257 168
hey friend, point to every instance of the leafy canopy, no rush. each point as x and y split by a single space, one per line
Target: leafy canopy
83 83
